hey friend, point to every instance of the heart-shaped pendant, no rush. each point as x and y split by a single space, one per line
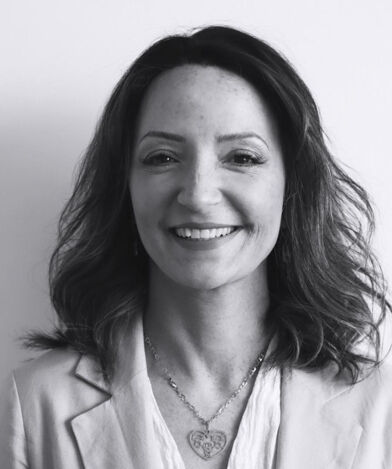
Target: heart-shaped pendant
207 443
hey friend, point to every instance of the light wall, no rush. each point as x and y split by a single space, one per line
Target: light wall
61 59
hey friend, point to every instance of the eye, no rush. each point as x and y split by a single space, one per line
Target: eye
242 158
160 158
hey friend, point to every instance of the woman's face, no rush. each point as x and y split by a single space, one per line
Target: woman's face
207 179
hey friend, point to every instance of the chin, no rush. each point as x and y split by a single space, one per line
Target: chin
201 283
199 280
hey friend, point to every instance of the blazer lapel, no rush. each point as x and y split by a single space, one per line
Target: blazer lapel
116 429
314 433
136 420
97 431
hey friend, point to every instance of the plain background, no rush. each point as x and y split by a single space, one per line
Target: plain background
61 59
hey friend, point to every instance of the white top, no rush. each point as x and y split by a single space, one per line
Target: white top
255 443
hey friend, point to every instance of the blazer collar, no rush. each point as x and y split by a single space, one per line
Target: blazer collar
89 371
131 360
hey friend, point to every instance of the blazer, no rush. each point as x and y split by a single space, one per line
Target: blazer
61 414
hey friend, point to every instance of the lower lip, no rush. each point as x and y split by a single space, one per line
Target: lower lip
204 244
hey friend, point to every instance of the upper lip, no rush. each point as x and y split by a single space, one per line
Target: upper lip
203 226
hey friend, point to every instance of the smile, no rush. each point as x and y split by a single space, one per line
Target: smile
204 234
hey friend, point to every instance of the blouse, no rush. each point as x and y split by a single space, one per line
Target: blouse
255 444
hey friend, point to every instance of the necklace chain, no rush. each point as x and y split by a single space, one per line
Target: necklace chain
206 422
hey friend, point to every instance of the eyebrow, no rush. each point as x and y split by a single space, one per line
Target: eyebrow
241 136
161 134
220 138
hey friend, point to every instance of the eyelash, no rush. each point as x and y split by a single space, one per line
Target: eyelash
255 159
151 160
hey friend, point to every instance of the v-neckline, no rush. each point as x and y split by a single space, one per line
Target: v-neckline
172 442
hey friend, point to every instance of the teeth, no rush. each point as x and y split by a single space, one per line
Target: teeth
203 234
196 234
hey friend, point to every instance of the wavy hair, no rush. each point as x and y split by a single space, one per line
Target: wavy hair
324 281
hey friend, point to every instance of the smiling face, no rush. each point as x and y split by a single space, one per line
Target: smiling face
207 178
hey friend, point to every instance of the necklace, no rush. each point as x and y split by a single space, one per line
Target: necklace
206 443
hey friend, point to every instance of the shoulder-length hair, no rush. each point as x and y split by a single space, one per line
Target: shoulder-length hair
324 280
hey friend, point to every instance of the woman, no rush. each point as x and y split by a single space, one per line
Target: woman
219 304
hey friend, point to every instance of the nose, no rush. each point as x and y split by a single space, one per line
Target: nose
200 187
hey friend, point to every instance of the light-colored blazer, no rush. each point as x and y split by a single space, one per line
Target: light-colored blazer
62 415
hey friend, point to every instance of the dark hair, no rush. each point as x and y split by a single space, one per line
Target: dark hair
323 278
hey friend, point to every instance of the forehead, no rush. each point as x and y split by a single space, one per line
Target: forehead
193 76
210 94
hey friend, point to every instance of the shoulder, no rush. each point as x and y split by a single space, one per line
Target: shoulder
375 386
51 388
52 380
53 368
327 388
369 399
374 383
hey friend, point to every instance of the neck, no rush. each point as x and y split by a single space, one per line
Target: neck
208 333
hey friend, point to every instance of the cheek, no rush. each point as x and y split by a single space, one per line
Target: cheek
151 201
263 205
146 198
143 207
